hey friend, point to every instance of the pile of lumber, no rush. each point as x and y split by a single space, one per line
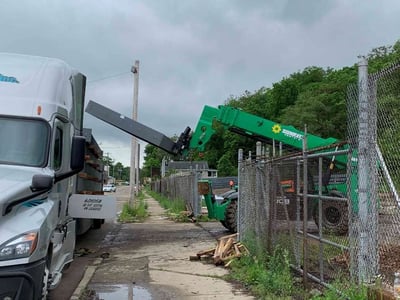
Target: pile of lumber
225 252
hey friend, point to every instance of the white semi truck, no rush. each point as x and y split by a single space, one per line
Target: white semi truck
50 173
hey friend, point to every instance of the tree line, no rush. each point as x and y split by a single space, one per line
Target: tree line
116 169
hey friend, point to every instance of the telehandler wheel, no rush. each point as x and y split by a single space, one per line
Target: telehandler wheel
224 224
230 216
335 215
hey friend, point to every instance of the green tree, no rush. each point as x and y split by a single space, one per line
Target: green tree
121 172
226 166
107 160
153 157
322 108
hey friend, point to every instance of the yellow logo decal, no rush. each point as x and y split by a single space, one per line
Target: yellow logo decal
276 128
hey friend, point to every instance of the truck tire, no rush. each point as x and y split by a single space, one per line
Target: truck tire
97 223
230 216
335 216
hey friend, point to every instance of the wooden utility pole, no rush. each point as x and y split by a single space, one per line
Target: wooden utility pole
134 145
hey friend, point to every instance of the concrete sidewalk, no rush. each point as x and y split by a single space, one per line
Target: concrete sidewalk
150 260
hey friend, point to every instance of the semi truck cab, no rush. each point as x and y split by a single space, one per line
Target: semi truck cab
41 151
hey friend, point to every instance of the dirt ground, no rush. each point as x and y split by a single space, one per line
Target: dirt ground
150 260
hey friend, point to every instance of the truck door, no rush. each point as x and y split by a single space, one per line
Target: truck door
59 162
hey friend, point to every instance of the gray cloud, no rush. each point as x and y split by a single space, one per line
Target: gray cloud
191 52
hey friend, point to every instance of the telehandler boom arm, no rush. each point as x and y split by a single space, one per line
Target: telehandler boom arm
138 130
254 127
230 118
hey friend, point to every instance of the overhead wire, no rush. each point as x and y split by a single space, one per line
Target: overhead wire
108 77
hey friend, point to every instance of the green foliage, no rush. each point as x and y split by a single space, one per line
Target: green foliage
383 56
214 148
270 277
265 276
153 157
389 134
137 213
152 160
204 218
174 208
107 161
344 290
116 170
120 172
226 165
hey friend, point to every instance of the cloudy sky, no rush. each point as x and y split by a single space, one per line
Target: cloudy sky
192 53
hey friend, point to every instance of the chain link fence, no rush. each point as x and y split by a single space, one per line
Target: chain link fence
336 210
184 187
375 130
346 224
180 188
281 201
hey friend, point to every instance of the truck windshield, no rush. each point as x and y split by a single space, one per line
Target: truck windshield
23 141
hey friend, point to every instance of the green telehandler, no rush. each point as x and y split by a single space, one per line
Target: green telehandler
334 213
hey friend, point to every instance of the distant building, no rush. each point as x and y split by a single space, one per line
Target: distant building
182 167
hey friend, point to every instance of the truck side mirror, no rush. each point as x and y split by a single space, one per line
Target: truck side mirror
78 153
41 182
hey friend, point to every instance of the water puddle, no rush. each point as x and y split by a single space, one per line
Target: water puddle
119 292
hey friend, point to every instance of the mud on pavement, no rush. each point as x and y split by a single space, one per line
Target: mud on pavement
150 260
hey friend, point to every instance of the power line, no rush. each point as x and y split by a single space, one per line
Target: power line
108 77
115 147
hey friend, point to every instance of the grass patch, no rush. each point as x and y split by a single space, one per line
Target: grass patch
204 218
175 208
136 213
265 276
271 277
342 289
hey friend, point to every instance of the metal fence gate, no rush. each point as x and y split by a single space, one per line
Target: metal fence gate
280 202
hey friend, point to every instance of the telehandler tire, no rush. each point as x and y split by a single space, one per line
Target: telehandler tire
335 215
230 216
224 224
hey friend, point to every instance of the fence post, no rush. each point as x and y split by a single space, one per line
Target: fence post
366 265
258 151
196 197
239 213
305 210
